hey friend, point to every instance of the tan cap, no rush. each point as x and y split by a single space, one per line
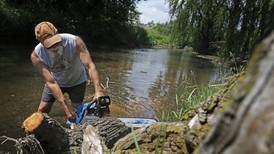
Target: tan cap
47 34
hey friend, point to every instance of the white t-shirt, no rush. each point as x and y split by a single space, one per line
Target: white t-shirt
65 66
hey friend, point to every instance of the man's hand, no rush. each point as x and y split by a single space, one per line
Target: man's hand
98 94
71 117
69 112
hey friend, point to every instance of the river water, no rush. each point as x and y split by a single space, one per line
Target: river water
142 82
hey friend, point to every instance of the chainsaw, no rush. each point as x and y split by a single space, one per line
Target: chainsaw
97 107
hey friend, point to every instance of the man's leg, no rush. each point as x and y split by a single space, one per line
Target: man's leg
47 101
76 94
44 107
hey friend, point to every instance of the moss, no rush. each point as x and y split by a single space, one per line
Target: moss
247 78
198 134
160 137
226 93
258 54
241 84
188 116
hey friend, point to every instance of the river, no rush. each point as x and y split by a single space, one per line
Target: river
142 82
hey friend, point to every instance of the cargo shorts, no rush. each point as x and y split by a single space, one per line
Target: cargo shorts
76 93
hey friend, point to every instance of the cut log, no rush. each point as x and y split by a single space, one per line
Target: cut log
110 129
53 137
100 134
44 135
33 122
92 143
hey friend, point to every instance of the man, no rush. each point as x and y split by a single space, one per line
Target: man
62 60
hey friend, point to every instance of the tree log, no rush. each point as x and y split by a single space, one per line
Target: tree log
92 143
46 135
247 126
110 129
156 138
53 137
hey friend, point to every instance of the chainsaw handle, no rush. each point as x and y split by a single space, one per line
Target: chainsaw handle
103 100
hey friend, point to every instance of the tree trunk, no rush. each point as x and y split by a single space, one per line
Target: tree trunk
53 137
247 126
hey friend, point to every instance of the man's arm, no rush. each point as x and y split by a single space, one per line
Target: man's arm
87 61
52 85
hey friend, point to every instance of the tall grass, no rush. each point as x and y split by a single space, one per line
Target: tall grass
138 150
187 98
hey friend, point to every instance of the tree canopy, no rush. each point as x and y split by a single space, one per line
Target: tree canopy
239 23
100 21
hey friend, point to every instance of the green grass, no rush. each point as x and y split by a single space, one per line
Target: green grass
138 150
187 98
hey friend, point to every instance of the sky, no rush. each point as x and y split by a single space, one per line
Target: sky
153 10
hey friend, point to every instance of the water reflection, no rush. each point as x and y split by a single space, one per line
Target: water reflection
147 66
143 82
180 67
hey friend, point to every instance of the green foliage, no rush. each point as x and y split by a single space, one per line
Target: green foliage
100 21
138 36
188 98
196 23
159 34
12 19
241 24
138 150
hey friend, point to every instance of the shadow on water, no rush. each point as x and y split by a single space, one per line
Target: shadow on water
142 82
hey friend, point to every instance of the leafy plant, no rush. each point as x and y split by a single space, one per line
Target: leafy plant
187 98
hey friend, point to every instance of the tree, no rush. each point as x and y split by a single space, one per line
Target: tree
241 24
99 21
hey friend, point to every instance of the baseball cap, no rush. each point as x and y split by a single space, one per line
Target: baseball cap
47 34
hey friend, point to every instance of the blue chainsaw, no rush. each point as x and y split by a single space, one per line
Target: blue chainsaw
97 107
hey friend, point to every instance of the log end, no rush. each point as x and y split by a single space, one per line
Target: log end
33 122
